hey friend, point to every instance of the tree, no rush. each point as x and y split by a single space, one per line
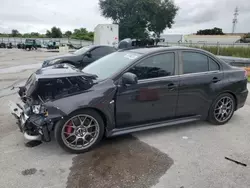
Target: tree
214 31
140 18
48 34
67 34
82 34
54 33
15 33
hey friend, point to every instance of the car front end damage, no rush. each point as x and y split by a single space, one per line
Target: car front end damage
33 121
35 112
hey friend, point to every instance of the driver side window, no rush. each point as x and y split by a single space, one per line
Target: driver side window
160 65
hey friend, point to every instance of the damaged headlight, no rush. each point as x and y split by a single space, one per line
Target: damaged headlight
39 109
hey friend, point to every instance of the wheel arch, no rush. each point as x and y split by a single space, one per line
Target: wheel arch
225 92
101 113
231 93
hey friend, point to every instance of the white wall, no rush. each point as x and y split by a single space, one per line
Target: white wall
106 34
226 39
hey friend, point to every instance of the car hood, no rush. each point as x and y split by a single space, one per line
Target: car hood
64 56
61 70
44 81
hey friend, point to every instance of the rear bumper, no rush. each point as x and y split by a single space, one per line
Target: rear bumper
241 99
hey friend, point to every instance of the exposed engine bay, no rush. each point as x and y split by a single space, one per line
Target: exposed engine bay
35 118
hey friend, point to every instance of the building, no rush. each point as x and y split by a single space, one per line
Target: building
172 38
222 39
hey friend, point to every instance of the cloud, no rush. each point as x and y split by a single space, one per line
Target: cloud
40 15
195 14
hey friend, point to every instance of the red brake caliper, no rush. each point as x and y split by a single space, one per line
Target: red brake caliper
69 128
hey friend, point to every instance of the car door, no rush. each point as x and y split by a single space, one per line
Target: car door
154 98
200 78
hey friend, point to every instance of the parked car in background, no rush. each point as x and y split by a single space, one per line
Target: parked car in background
20 45
2 45
9 45
82 57
30 44
53 45
126 91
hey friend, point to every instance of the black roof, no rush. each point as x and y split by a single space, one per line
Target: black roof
152 49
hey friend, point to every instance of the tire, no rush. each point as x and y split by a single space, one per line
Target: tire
61 126
212 118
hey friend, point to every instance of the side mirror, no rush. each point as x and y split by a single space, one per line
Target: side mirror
129 78
88 54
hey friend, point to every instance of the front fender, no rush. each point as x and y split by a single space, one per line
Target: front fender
99 97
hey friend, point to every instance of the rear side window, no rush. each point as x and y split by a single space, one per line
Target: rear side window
154 67
102 51
194 62
213 66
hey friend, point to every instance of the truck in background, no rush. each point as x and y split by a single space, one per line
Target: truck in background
106 34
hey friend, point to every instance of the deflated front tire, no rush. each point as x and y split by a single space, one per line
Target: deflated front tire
80 131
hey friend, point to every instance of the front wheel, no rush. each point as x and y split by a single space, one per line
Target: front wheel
222 109
80 131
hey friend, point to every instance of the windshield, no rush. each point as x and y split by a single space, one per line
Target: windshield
81 50
111 64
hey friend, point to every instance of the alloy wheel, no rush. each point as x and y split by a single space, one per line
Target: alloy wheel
223 109
80 132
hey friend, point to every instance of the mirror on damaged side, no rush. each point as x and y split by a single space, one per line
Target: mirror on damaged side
129 78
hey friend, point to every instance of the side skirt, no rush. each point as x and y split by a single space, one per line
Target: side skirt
116 132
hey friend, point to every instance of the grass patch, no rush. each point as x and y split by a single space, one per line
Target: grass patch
228 51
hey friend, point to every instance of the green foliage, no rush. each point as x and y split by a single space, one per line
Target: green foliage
15 33
137 19
228 51
214 31
4 35
67 34
54 33
82 34
33 35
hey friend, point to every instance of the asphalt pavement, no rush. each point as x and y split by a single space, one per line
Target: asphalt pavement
183 156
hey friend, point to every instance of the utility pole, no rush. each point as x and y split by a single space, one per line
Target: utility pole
235 19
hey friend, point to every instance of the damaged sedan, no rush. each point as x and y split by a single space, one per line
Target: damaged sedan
126 91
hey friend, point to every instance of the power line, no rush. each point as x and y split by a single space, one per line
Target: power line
235 19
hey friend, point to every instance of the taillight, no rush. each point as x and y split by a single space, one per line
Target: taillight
246 74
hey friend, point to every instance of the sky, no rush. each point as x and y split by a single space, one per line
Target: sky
193 15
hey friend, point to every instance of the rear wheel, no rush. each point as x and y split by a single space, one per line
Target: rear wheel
222 109
80 132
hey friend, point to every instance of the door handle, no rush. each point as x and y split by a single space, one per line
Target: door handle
215 80
171 86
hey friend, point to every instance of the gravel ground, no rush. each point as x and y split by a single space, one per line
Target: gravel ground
183 156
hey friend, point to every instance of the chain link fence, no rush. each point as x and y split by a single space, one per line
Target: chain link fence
62 41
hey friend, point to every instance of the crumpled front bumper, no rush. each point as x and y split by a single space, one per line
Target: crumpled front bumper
17 110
